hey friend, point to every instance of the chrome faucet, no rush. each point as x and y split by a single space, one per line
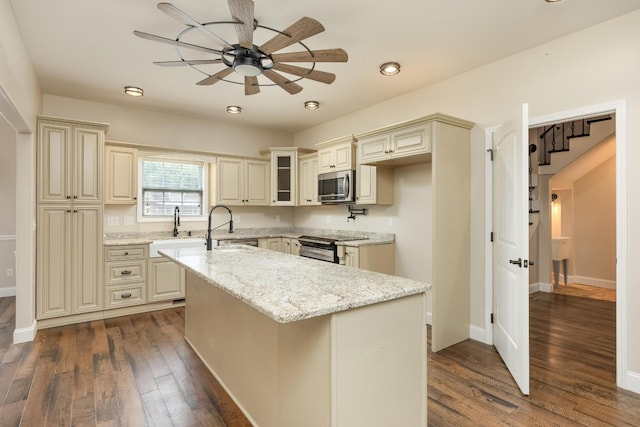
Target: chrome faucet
209 229
176 221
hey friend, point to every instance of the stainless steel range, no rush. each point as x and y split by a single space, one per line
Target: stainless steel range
323 248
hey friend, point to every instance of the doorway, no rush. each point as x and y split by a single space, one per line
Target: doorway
618 108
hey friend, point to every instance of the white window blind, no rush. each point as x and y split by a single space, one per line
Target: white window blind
170 183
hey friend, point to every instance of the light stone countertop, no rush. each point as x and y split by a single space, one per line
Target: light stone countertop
288 288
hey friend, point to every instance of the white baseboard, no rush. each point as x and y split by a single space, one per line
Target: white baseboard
533 287
7 291
476 333
633 382
25 334
545 287
592 281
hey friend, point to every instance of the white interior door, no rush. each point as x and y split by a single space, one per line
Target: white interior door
511 246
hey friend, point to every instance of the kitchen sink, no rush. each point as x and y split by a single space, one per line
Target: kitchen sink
158 245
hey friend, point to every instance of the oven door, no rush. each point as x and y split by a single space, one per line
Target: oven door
317 253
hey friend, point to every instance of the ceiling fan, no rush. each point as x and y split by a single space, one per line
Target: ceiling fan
246 58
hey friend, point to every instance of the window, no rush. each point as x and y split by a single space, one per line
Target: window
166 184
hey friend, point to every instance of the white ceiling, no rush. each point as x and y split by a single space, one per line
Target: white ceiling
85 49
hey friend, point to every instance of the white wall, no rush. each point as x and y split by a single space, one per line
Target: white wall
597 65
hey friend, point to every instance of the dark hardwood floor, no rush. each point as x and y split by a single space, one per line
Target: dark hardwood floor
138 370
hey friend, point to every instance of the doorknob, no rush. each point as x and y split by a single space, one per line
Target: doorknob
518 262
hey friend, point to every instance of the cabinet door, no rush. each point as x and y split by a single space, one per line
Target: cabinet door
325 160
87 264
343 157
283 178
88 150
54 162
121 175
257 183
366 182
352 257
166 280
411 141
285 245
373 149
308 182
295 247
230 181
272 243
53 279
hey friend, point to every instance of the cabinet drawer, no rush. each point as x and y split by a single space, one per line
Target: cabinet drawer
125 272
121 296
121 253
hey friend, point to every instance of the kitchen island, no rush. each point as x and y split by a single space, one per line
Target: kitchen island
296 341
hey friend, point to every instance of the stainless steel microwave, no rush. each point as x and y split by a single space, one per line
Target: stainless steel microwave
337 187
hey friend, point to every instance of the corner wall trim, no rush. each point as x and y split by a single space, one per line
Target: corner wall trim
633 381
25 334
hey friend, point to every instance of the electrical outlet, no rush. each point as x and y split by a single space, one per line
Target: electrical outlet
277 218
9 272
390 221
327 219
112 220
128 220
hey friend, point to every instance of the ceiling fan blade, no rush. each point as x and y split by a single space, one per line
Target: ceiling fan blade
319 76
242 11
215 78
283 82
179 15
251 85
175 42
187 62
298 31
323 55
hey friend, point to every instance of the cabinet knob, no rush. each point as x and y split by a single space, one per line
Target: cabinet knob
68 210
126 253
75 211
125 272
75 197
68 197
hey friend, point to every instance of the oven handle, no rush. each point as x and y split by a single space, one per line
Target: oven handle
318 242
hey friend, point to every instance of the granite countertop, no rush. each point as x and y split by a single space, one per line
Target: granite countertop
142 238
289 288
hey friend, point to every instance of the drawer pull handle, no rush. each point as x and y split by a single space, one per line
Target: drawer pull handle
125 272
126 253
126 295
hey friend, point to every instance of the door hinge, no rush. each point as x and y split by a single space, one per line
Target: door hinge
490 151
491 236
492 318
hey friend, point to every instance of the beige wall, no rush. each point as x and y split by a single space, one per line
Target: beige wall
594 219
8 140
586 68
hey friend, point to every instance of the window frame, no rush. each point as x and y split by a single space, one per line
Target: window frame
173 159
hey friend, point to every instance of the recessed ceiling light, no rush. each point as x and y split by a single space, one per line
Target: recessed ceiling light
133 91
311 105
234 109
389 68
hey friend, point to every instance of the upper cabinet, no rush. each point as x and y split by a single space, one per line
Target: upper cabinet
308 174
336 155
242 182
284 173
70 160
121 176
398 145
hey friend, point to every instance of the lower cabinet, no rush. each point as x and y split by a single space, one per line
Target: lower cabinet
125 276
69 242
166 280
272 243
379 258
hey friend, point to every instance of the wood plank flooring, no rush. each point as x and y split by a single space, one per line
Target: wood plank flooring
138 370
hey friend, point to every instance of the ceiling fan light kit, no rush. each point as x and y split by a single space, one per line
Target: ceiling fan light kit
246 59
389 68
133 91
311 105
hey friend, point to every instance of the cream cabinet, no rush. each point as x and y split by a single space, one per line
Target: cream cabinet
166 280
295 247
379 258
308 180
285 245
374 185
70 161
402 145
271 243
121 175
125 276
336 155
69 253
284 177
242 182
